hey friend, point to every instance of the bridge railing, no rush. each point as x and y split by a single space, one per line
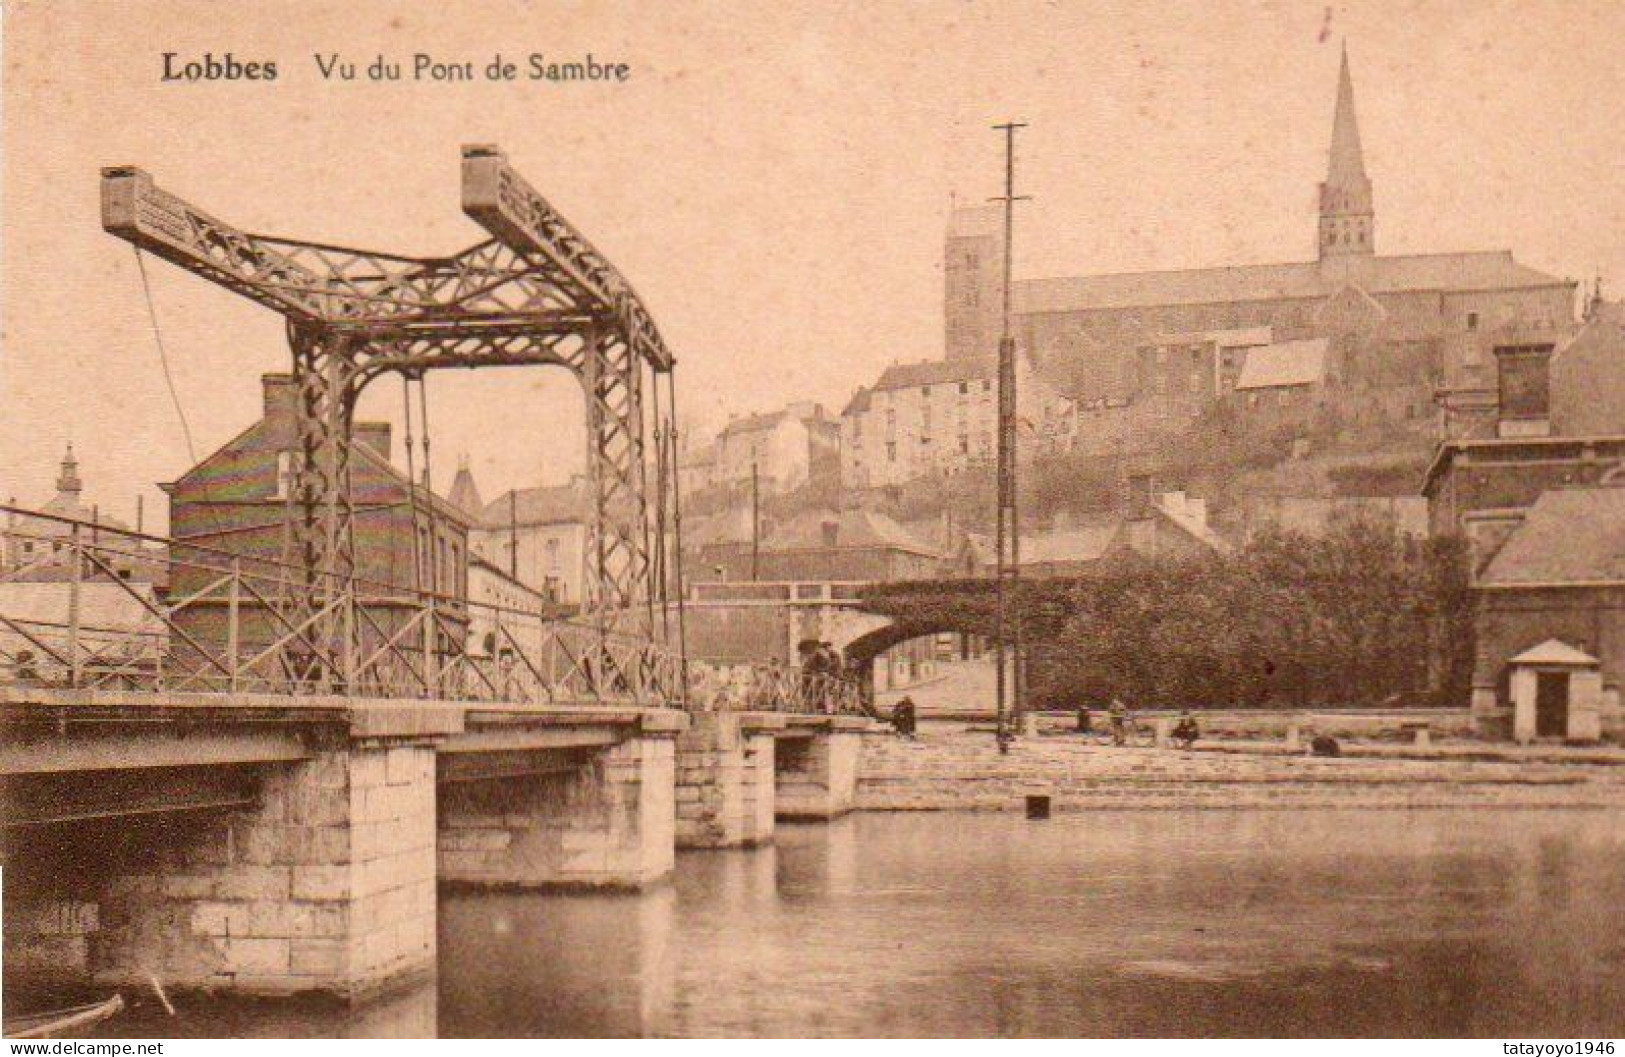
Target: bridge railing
90 606
754 687
97 607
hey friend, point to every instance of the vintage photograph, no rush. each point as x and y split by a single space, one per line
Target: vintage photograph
970 519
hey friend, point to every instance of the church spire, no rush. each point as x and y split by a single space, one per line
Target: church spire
1347 218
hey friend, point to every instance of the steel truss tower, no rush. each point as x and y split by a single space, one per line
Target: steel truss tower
535 292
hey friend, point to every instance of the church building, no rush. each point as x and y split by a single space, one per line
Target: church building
1398 328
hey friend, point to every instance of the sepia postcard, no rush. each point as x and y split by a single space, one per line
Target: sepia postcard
967 519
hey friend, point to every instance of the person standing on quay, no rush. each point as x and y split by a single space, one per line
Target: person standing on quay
1119 721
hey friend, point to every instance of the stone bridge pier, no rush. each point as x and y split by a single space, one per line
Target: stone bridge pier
270 848
559 802
739 772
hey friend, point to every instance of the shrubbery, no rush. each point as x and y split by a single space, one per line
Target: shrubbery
1361 616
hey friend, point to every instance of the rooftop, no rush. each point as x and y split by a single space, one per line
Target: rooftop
1493 270
936 372
1570 536
1284 363
547 505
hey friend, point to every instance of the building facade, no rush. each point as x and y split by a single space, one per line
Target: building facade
1554 419
538 538
236 505
1549 657
782 451
941 416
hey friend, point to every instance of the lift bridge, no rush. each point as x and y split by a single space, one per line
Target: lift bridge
228 766
536 291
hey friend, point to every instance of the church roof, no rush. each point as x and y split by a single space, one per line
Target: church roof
1284 363
1570 536
1493 270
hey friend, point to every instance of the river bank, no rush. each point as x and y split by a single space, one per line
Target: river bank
961 769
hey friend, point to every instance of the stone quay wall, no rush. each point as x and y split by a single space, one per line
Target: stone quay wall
963 770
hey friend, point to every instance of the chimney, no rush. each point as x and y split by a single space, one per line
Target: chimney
375 435
280 394
1524 390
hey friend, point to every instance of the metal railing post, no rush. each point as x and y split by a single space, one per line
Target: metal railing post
233 630
76 577
431 654
347 628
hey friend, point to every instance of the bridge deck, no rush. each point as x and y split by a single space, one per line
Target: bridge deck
57 731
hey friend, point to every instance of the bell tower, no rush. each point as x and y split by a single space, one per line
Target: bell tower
1347 218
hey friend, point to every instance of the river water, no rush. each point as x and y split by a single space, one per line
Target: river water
1219 923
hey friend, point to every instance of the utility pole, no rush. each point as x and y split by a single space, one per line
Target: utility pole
755 523
1007 538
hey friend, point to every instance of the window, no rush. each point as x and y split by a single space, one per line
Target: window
925 391
964 387
987 386
1472 321
964 445
891 451
552 548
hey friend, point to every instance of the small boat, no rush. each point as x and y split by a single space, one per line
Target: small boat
59 1023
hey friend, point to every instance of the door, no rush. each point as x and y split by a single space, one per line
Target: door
1551 704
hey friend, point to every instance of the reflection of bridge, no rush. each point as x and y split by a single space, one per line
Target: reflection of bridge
241 769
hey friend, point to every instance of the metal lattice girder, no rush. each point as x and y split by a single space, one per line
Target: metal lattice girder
505 205
537 292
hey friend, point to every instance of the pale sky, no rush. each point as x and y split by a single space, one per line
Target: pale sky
774 179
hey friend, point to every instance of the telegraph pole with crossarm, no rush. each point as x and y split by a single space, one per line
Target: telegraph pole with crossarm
1008 533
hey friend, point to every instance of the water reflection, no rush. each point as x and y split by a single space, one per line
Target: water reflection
1489 923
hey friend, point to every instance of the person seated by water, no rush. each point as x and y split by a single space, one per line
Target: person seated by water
1186 731
1084 719
1325 745
903 718
1118 712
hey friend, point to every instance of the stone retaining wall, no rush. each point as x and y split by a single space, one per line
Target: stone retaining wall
964 771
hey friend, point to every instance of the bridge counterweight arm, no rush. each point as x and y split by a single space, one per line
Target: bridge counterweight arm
500 200
136 210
